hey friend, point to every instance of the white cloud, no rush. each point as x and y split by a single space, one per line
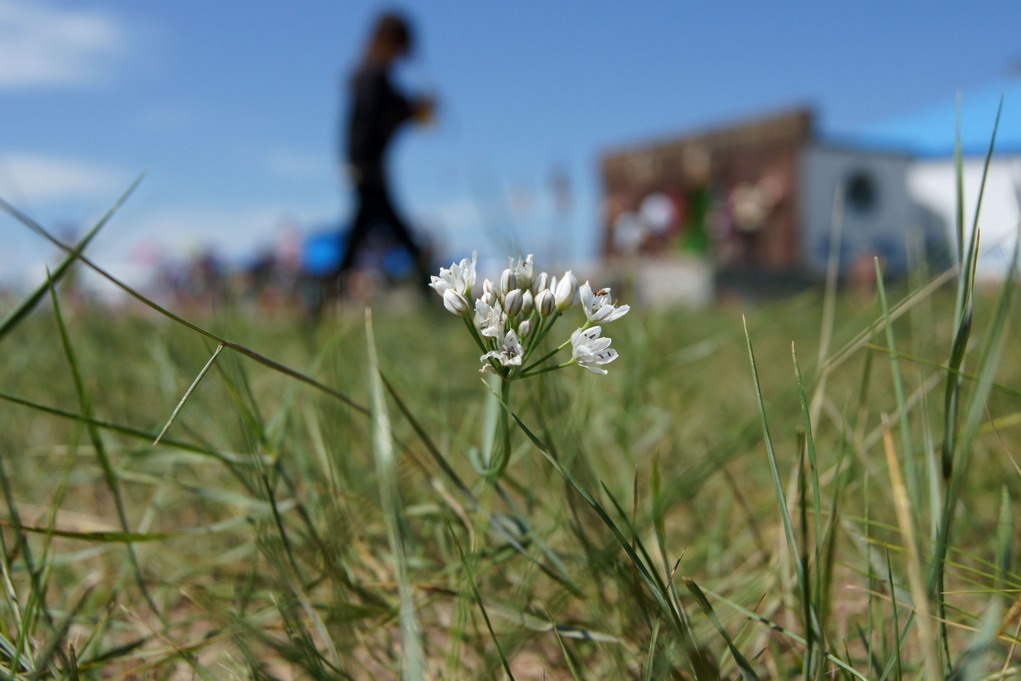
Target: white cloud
457 216
289 164
32 178
44 45
181 231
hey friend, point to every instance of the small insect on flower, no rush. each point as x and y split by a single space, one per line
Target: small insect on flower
598 306
512 318
523 270
591 351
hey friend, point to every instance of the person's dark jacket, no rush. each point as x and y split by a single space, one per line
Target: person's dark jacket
378 110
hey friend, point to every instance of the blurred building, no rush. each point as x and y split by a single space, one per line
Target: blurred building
755 206
929 136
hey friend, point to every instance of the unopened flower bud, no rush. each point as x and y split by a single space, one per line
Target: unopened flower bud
508 281
488 292
524 328
545 302
566 291
527 303
512 302
455 302
540 283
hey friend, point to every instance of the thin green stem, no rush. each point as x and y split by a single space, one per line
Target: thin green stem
524 372
505 447
542 333
548 369
475 334
538 332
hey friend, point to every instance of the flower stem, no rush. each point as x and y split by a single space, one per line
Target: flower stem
505 448
544 358
552 367
475 334
541 332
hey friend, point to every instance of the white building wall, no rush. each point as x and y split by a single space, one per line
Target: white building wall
876 226
933 184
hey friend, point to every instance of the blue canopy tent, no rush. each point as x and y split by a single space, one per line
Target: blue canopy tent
323 250
930 131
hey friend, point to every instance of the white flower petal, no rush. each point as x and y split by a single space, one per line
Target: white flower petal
459 276
598 306
590 350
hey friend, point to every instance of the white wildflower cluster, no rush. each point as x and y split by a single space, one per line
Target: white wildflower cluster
510 318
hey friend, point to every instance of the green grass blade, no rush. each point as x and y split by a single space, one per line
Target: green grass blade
236 347
747 673
897 659
231 461
414 663
430 446
959 185
650 658
966 283
100 536
109 472
829 296
985 175
992 348
1004 539
25 308
784 631
815 596
563 648
470 575
622 540
56 644
781 497
34 571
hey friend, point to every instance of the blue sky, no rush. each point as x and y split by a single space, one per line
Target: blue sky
232 108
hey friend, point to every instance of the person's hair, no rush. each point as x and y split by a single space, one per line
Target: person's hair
391 37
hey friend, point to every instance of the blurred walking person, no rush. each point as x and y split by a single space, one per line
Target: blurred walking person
377 111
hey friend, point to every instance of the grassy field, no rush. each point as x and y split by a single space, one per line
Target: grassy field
717 506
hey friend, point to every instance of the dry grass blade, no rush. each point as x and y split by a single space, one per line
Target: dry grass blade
902 506
898 391
187 394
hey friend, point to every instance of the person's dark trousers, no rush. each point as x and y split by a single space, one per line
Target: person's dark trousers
374 206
